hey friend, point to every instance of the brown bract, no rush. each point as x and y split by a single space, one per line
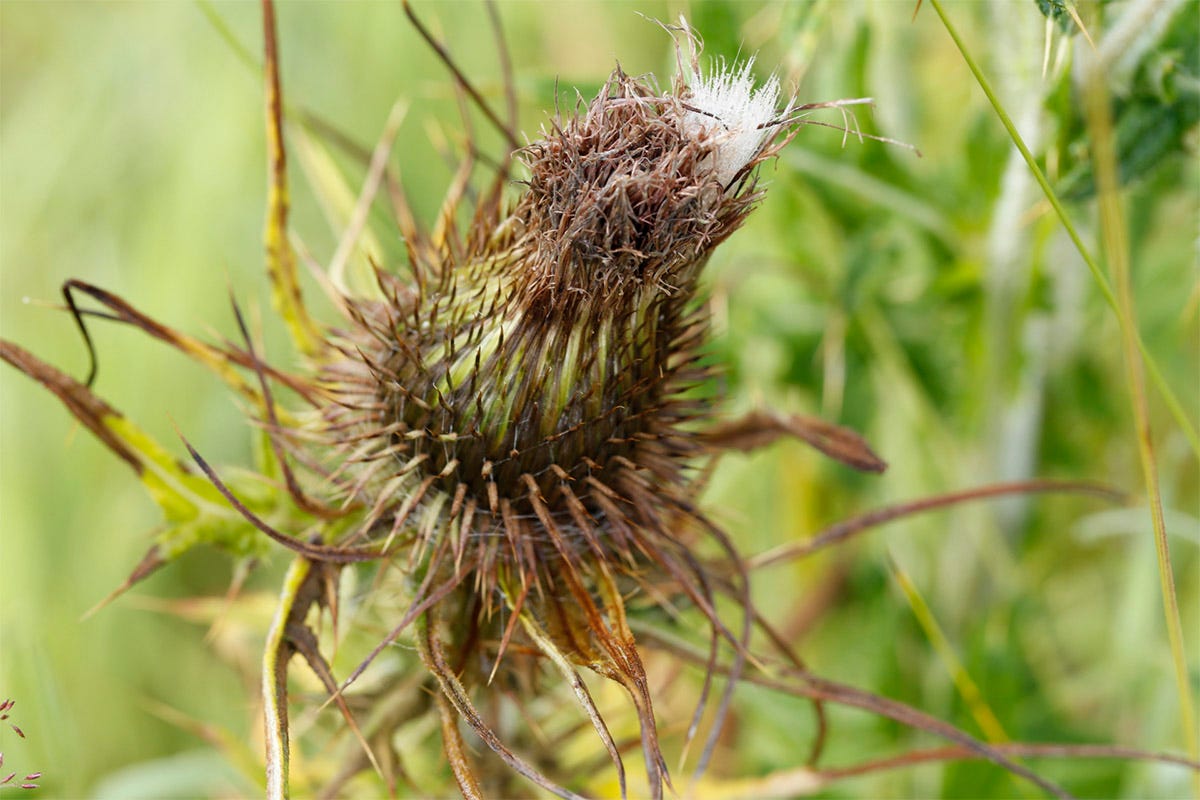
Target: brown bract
621 195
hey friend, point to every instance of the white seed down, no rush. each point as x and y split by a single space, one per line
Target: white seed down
730 111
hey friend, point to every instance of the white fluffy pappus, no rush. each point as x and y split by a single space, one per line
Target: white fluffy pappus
725 106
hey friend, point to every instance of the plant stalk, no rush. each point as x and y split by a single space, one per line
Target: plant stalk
274 681
1116 250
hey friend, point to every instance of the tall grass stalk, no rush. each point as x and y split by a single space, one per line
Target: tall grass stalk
1115 245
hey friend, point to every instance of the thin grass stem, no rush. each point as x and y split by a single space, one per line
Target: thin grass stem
985 718
966 686
1114 241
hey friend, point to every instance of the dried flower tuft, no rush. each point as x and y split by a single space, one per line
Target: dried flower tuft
725 107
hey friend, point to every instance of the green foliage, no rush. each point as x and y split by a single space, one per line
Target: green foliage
871 288
1056 10
1156 109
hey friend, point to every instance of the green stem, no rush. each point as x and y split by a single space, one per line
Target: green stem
1173 404
1116 249
274 681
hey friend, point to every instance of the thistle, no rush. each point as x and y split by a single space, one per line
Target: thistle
524 418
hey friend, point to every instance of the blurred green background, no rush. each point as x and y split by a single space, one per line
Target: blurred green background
933 304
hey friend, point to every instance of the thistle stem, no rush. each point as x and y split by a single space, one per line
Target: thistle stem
274 681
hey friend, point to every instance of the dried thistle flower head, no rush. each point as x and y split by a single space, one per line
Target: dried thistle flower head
522 417
625 193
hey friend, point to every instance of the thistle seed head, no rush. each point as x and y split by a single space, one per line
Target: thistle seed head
520 421
637 188
554 352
